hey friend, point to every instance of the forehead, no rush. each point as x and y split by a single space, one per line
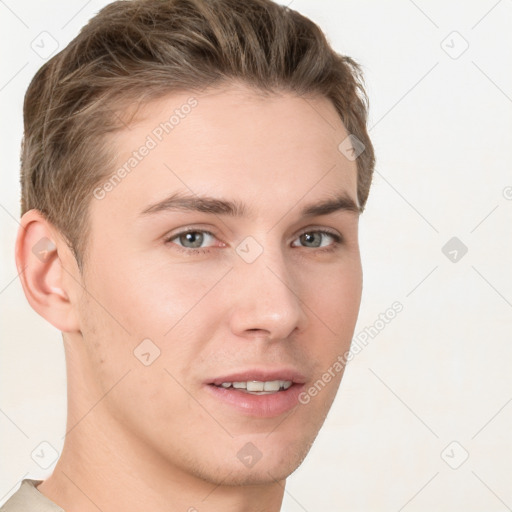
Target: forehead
261 148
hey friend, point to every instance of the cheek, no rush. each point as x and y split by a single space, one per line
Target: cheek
145 300
333 310
121 313
334 294
173 301
148 297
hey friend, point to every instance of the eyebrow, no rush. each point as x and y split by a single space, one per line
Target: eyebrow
208 204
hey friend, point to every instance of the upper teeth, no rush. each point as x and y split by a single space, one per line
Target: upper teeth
256 385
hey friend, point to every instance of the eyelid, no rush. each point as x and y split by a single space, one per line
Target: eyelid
320 229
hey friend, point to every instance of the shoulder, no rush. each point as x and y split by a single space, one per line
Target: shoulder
28 499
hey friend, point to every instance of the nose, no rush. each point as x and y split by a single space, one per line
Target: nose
265 298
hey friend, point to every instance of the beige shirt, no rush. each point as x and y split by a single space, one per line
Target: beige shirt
28 499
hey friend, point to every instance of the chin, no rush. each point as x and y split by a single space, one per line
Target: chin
273 463
264 473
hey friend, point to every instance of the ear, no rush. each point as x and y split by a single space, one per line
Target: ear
41 258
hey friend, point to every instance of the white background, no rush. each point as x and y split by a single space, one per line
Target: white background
440 371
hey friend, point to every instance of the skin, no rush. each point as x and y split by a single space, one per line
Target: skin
151 437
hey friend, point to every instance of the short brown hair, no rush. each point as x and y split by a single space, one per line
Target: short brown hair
138 50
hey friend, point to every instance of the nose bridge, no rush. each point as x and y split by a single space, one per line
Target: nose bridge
267 297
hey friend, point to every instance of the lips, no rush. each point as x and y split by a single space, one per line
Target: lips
259 393
258 375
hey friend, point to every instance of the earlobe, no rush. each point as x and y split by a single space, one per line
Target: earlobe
41 253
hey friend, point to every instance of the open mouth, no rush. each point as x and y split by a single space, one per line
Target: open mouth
258 392
256 387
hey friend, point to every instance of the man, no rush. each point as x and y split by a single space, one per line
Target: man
192 177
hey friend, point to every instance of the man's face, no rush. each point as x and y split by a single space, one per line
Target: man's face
254 295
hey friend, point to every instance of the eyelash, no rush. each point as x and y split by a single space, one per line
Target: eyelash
338 240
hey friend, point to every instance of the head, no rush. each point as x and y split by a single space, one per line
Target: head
232 121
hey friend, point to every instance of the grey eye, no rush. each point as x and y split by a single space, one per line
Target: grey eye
311 239
192 239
